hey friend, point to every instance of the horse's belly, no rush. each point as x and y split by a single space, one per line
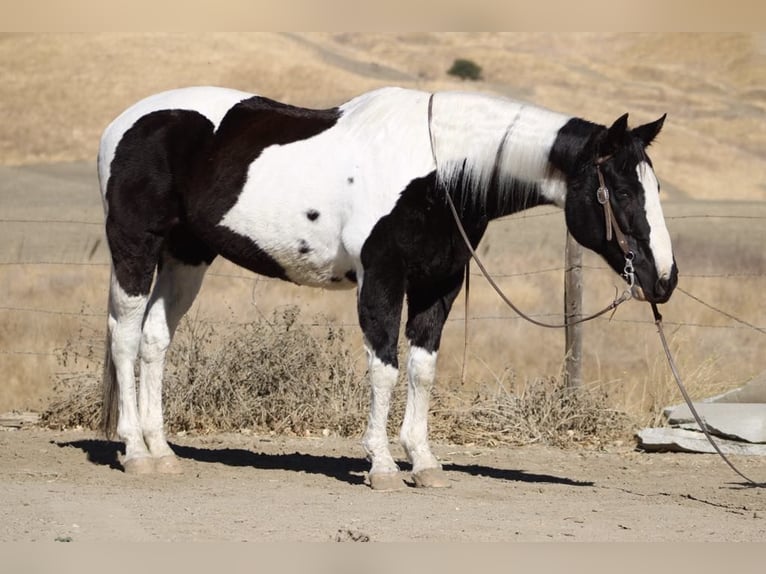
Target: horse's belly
310 209
303 241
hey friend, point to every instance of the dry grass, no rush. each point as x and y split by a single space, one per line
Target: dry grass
279 375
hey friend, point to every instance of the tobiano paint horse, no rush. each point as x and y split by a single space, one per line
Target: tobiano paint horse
347 197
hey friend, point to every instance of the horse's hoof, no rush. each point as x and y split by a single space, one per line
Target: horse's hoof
386 481
168 464
430 478
141 465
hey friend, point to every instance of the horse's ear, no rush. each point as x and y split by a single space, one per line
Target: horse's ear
615 136
616 133
647 132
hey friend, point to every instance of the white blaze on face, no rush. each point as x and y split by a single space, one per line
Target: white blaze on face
659 238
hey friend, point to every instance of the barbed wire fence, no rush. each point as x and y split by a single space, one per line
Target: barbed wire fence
732 320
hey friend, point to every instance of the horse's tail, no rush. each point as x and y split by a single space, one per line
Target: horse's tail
109 411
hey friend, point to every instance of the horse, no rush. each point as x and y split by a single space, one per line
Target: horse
353 196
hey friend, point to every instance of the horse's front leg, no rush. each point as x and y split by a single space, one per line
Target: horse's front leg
421 372
384 472
380 306
428 306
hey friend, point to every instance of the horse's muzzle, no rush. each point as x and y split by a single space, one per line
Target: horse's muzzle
663 289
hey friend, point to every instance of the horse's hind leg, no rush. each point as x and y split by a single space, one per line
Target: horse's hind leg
134 258
427 310
179 278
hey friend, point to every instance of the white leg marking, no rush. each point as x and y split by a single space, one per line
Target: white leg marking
126 314
659 238
382 381
176 287
421 371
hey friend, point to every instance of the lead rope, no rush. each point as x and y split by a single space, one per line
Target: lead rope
465 322
612 225
695 414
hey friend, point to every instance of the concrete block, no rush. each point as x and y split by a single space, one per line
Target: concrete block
738 421
753 392
681 440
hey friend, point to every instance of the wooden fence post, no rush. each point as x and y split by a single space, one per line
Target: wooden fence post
573 311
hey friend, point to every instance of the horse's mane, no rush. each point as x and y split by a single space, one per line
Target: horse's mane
492 149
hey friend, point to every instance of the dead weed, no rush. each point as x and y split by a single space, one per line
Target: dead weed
283 376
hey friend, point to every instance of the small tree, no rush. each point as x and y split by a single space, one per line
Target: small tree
465 69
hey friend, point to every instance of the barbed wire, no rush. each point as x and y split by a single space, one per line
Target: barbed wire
254 277
722 312
713 216
457 319
514 217
54 221
741 324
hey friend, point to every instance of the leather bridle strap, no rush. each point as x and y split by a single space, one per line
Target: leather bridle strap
612 225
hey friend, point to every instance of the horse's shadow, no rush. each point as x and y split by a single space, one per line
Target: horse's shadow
342 468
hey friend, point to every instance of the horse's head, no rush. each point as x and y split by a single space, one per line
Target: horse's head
615 160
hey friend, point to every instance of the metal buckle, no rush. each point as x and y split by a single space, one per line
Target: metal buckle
602 195
629 273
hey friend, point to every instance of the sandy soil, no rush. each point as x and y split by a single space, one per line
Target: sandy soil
66 486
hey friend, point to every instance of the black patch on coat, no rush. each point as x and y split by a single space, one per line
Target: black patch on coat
574 142
149 171
246 130
186 247
417 250
303 247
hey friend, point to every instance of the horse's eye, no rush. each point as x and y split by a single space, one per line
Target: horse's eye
622 194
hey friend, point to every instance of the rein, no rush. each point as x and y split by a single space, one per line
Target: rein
700 421
612 230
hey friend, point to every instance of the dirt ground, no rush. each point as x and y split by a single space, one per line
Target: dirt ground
67 486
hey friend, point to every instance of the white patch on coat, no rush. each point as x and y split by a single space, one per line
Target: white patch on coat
126 314
173 293
554 188
659 237
382 380
472 127
351 174
211 102
421 371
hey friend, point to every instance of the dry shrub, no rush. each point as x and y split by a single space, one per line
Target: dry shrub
76 399
280 375
544 411
274 374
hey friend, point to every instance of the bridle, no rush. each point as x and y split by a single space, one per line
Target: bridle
612 225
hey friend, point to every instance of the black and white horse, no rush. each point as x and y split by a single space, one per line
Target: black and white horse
346 197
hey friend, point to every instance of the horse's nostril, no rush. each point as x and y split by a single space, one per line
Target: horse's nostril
662 286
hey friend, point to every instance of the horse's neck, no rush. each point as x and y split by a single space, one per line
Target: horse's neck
494 155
